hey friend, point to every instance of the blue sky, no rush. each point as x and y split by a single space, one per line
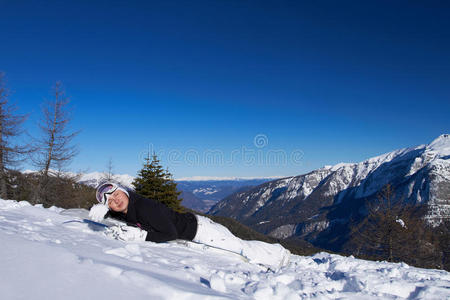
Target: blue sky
313 83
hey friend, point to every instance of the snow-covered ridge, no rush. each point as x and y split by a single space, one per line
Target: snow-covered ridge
93 178
205 191
419 175
440 146
351 174
43 258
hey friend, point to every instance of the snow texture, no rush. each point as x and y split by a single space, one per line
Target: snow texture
42 258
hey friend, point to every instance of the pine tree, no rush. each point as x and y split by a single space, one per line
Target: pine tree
156 183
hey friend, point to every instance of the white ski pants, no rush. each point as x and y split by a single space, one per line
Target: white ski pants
216 235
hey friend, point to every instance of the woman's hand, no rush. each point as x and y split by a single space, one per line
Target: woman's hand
97 212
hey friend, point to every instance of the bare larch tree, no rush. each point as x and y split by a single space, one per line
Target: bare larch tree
11 153
386 228
109 173
54 148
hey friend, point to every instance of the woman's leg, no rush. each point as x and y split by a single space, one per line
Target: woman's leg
216 235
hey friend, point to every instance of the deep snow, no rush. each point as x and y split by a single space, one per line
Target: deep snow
41 258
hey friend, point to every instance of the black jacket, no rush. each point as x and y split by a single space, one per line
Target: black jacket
161 223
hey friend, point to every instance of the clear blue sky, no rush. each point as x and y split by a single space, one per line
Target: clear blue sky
316 82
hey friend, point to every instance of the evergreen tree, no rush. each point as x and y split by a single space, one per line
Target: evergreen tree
156 183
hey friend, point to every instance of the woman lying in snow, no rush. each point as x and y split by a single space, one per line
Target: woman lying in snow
151 220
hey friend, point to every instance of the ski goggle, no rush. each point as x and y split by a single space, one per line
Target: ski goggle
104 191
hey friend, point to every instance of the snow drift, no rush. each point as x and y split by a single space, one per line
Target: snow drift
42 258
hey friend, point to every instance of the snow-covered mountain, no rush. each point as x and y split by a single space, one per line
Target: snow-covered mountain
42 257
93 179
318 204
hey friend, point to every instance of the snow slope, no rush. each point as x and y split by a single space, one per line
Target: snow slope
42 258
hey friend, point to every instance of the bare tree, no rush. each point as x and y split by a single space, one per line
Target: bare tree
11 154
386 229
54 149
109 173
396 231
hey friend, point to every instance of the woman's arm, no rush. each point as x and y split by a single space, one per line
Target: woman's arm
155 218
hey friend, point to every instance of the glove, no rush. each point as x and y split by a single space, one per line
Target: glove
127 233
97 212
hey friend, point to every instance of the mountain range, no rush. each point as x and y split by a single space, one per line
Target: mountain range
319 205
201 195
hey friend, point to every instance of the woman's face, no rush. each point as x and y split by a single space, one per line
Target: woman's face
118 201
